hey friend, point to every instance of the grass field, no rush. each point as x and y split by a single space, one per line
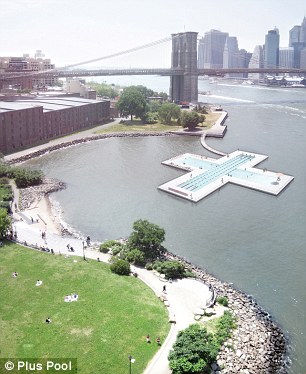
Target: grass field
137 125
108 323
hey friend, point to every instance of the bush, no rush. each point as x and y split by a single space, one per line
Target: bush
222 300
4 181
107 246
136 257
120 267
225 325
5 222
149 266
171 269
6 205
116 249
23 177
196 349
193 352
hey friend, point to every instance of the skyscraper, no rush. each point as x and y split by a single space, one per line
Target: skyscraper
286 57
303 32
257 61
297 40
272 49
211 48
294 35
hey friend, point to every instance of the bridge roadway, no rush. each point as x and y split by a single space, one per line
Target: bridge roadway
143 71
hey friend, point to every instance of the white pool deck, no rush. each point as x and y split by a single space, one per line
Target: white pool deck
199 182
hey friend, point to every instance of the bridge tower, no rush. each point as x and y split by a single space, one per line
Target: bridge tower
184 56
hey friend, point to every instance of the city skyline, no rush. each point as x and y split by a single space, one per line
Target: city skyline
72 31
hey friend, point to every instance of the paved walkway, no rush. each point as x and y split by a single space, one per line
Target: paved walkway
184 296
68 138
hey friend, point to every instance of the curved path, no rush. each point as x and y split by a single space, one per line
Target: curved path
184 296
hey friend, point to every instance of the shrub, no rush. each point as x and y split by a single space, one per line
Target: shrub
107 246
23 177
222 300
193 351
5 222
149 266
171 269
4 181
116 249
6 205
136 257
189 274
225 325
120 267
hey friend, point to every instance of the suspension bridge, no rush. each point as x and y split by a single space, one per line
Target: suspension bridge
183 72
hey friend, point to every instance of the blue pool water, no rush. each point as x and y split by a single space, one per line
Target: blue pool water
215 172
262 179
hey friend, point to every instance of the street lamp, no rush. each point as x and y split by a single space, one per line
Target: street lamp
84 258
131 360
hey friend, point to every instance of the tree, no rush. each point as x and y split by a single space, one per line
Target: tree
5 222
147 237
132 102
104 89
146 92
169 111
194 350
190 119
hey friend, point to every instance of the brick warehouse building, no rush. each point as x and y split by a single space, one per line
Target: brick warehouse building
26 123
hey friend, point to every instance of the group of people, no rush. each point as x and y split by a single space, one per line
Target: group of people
70 249
73 297
148 339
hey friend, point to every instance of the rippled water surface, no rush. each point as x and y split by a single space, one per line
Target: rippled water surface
255 240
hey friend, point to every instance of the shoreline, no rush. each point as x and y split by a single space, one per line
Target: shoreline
258 345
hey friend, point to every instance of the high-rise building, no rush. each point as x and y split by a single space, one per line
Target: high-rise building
272 49
294 35
286 57
256 61
230 53
297 40
232 56
210 49
303 32
303 59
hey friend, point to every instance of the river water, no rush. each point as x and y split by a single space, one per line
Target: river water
254 240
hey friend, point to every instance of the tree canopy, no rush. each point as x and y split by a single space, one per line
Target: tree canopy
132 102
191 119
104 89
193 351
169 111
147 237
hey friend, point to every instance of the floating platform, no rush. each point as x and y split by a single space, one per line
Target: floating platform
206 175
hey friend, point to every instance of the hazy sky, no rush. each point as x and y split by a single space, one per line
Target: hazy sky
70 31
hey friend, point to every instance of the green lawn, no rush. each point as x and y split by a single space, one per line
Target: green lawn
109 321
137 126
